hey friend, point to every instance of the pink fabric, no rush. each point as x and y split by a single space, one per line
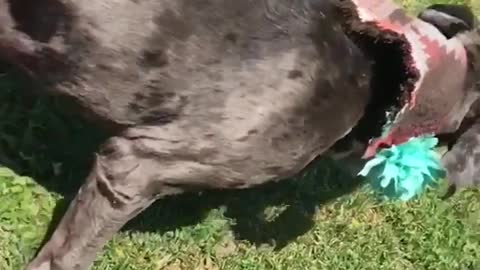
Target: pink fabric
441 63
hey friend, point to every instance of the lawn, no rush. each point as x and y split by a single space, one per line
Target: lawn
317 221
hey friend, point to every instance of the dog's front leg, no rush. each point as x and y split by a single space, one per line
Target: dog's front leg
462 162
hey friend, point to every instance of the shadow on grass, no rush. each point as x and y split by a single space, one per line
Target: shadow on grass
38 139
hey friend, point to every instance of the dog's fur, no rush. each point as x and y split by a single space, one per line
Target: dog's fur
200 95
462 161
206 94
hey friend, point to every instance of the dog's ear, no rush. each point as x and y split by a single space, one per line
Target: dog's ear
450 20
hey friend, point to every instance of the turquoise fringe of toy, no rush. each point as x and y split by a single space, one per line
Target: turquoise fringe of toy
406 170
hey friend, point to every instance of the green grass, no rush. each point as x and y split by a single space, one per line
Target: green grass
314 222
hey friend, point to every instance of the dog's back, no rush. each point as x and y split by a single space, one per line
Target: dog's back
154 62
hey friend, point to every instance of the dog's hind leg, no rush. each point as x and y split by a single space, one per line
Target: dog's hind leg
124 181
114 193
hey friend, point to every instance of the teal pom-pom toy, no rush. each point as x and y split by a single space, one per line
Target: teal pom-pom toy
406 170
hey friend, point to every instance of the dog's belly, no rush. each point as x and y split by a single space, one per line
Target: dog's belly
272 128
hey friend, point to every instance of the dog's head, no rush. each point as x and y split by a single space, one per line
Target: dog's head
441 46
